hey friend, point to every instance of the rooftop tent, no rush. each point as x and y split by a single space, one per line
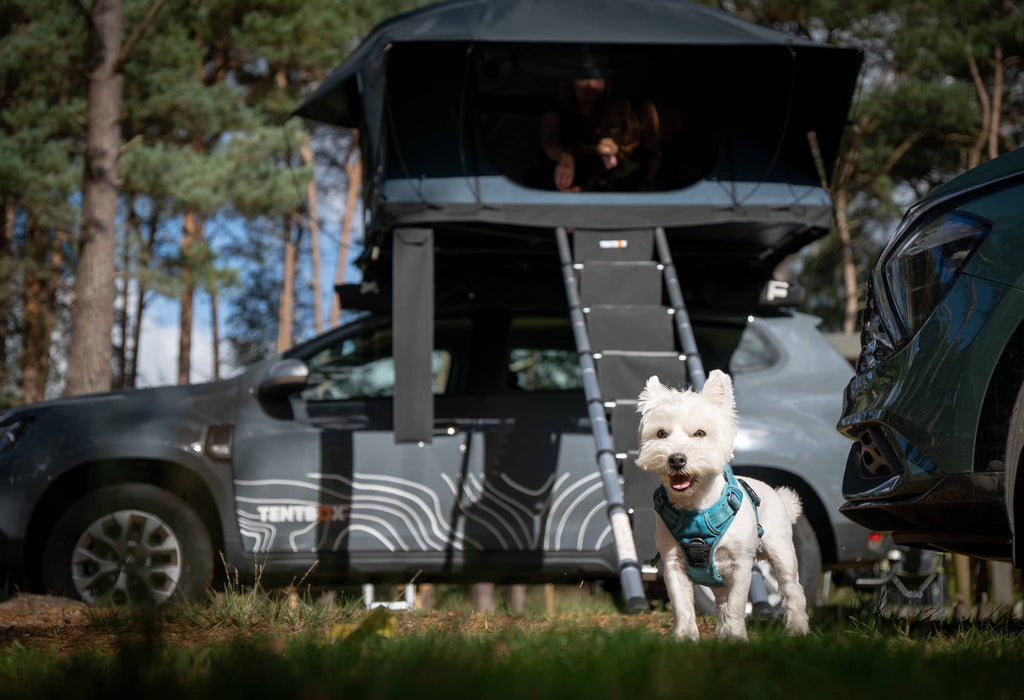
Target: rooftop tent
449 98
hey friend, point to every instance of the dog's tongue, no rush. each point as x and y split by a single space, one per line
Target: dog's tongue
680 482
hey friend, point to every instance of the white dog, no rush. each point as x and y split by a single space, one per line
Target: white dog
709 526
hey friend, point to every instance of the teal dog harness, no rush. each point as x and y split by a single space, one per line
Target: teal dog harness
698 531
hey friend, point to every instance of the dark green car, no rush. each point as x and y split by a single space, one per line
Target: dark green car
937 406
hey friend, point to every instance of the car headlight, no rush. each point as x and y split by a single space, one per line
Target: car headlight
10 433
920 265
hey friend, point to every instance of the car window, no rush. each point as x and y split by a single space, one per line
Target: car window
542 352
542 355
362 365
733 348
754 352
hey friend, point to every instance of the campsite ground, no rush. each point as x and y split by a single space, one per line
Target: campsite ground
251 645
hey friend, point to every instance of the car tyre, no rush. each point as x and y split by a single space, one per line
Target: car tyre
808 555
1014 450
131 544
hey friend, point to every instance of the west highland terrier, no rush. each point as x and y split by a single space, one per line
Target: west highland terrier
712 526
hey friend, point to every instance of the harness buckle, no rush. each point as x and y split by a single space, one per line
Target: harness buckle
698 552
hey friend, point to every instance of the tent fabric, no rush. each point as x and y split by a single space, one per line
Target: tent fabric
447 98
641 22
413 328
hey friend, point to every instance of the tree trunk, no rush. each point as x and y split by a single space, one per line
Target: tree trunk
995 117
39 303
133 366
190 234
35 346
354 171
140 299
215 331
131 233
314 240
850 292
6 286
287 296
974 153
92 317
483 598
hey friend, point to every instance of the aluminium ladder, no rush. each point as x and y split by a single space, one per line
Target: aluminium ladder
624 334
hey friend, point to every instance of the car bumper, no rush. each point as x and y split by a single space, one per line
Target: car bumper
915 416
928 395
955 512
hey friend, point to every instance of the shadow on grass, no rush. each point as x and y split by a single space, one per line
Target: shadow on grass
286 651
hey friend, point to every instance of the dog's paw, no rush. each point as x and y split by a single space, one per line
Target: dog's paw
688 633
797 624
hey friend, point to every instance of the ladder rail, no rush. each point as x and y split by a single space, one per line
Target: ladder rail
622 532
687 340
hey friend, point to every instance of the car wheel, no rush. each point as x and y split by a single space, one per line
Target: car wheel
808 555
1014 448
133 544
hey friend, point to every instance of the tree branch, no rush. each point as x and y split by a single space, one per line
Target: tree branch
974 155
852 154
900 151
997 103
138 33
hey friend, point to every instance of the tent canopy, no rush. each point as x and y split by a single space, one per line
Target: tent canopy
448 99
613 22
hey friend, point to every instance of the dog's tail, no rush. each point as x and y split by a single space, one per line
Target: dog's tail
791 502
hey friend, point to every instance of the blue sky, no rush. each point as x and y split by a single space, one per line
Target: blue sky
158 351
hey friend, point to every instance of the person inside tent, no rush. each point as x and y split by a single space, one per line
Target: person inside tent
599 141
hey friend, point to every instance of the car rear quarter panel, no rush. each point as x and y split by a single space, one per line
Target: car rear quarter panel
787 417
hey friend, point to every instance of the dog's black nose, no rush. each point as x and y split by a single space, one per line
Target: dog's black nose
677 461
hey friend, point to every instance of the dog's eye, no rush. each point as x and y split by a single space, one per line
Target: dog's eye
662 434
699 433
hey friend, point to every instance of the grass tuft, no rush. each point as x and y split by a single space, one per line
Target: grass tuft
247 642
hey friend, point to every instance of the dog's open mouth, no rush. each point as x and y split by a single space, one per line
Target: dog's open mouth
679 482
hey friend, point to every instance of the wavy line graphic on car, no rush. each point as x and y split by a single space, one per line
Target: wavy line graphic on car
372 511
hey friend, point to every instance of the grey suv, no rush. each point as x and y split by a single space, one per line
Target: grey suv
133 495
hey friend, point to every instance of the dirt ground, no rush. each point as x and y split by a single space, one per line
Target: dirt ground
63 626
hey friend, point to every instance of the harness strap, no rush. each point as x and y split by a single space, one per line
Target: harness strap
697 532
755 500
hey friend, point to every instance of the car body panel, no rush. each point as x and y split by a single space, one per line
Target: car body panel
922 411
108 434
937 408
508 487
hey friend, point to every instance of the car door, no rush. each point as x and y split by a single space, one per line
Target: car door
507 484
318 476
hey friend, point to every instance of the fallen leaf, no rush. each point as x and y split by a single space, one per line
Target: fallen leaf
378 622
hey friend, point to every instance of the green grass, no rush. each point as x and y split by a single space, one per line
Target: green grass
282 649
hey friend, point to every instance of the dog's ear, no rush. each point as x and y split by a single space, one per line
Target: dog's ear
718 390
650 394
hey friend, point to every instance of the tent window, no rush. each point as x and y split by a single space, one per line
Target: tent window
624 131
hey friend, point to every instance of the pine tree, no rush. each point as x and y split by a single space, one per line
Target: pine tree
41 105
933 100
92 319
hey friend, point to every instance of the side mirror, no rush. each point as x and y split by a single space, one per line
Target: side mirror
283 378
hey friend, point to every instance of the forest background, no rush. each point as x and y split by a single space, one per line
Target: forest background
148 142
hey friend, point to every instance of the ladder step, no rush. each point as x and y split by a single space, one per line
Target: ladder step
625 425
632 244
630 328
622 375
633 282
